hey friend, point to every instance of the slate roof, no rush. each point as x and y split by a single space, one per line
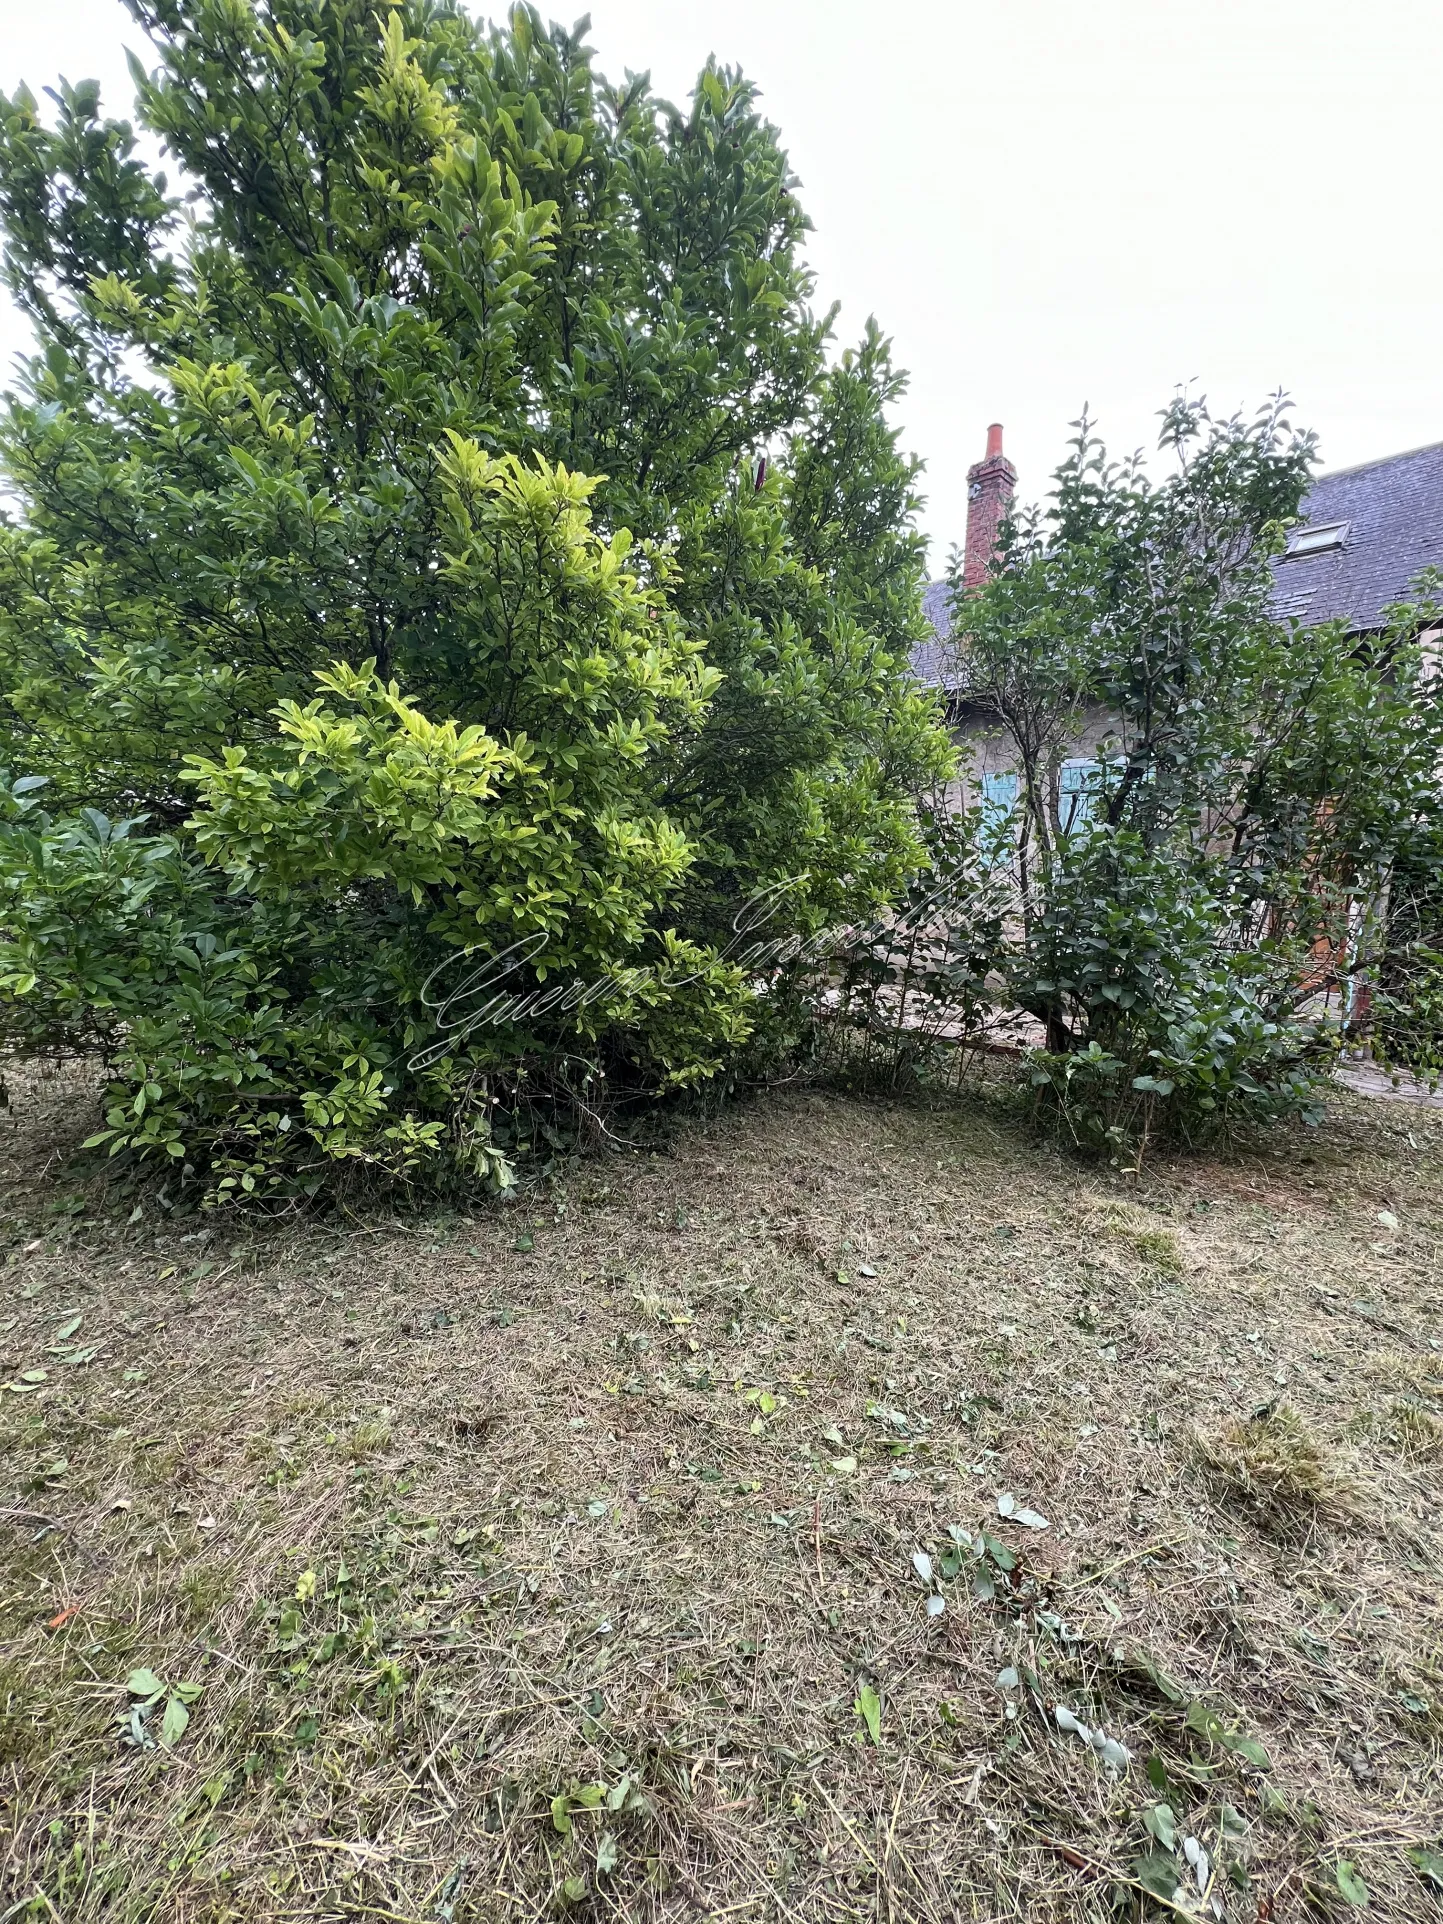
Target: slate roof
927 658
1394 512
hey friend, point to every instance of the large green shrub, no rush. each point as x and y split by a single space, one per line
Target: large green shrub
1174 1026
442 534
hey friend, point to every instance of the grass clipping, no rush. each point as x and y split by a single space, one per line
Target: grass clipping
1278 1466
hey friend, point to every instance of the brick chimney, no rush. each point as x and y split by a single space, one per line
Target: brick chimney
990 487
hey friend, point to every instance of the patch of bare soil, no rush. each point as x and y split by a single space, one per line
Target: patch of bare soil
859 1512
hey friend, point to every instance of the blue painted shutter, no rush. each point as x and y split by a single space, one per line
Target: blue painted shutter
999 798
1077 793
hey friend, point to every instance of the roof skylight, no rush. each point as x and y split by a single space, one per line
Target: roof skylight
1318 539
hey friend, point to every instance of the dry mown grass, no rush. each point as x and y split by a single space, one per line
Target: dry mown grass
552 1562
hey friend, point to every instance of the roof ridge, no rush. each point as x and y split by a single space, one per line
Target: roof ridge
1379 461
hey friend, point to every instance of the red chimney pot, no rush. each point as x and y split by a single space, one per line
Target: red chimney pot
994 439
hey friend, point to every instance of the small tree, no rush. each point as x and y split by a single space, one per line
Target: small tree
1256 781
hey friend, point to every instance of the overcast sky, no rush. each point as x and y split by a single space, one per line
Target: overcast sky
1048 202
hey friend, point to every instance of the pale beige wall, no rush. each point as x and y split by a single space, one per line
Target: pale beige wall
985 749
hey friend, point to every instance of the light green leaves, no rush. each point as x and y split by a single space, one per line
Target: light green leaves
1161 1824
148 1689
868 1706
1206 1723
577 1797
1350 1883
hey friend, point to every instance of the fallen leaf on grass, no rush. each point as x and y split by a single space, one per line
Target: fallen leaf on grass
1157 1875
1008 1506
62 1617
1206 1723
1161 1824
1115 1756
868 1707
1193 1851
1349 1883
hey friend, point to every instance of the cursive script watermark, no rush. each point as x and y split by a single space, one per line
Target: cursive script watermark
479 1000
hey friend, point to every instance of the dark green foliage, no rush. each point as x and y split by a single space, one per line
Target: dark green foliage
1407 1007
399 572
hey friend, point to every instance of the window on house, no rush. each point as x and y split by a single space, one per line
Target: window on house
999 798
1078 782
1319 538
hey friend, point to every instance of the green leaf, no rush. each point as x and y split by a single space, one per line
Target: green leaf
1157 1874
1206 1723
868 1707
173 1724
1167 1685
188 1692
144 1683
1428 1863
1350 1884
1162 1824
606 1854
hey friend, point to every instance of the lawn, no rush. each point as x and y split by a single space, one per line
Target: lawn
848 1511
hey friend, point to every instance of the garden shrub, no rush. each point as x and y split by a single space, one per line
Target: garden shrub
451 579
1195 932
